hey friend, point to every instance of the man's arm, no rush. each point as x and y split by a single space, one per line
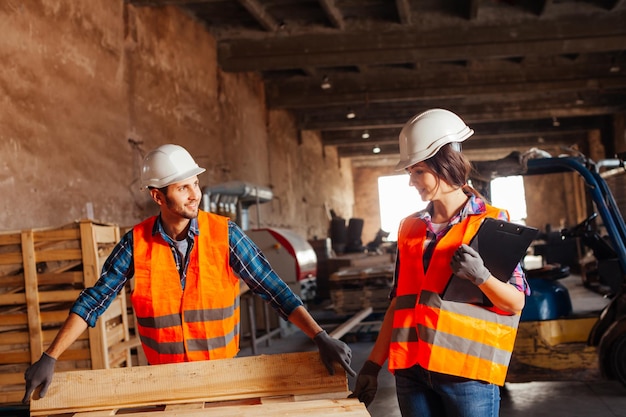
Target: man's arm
301 318
249 263
73 327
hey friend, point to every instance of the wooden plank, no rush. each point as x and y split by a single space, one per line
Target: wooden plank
97 334
10 258
57 235
102 413
347 407
32 296
10 238
21 337
58 255
217 380
44 297
345 327
13 378
105 234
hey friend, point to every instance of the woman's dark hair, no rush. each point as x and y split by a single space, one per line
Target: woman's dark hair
450 165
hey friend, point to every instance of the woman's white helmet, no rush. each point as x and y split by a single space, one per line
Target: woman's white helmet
423 135
166 165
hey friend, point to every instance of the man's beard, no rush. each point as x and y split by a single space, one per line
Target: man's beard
181 211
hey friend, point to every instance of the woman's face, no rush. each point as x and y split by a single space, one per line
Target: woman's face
425 181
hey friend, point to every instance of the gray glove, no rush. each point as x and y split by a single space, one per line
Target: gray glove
366 383
39 373
467 263
333 350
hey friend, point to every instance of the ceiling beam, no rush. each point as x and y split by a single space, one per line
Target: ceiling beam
333 13
166 2
483 130
606 33
470 112
290 96
258 12
404 11
472 9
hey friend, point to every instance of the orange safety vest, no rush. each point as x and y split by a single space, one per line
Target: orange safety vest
200 322
443 336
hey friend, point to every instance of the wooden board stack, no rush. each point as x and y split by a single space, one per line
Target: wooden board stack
42 272
266 385
353 289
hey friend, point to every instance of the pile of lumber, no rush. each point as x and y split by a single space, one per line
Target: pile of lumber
354 289
295 384
42 272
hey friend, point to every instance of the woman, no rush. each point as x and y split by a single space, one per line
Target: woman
448 358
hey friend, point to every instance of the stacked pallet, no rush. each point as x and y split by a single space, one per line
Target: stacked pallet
354 289
296 384
42 272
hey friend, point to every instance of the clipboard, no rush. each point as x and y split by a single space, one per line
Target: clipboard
502 245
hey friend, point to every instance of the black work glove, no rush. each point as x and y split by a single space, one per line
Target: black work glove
39 373
467 264
366 383
333 350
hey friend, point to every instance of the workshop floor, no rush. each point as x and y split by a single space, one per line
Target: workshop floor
537 399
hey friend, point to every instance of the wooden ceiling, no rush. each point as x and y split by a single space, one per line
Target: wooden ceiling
521 73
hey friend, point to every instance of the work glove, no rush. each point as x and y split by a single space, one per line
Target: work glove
333 350
39 373
467 264
366 383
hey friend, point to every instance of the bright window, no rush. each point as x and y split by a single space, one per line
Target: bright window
508 193
396 200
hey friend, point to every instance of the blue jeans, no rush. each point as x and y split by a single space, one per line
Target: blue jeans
430 394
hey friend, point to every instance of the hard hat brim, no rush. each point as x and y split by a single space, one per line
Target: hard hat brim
425 154
178 178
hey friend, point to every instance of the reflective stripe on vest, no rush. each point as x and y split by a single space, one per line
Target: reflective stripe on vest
444 336
199 323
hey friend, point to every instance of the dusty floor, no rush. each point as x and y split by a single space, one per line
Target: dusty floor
537 399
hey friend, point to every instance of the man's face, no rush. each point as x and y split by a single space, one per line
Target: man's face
183 198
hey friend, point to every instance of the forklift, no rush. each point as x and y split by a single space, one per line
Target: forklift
553 342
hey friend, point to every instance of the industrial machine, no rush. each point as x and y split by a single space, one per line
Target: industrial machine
554 342
291 256
233 199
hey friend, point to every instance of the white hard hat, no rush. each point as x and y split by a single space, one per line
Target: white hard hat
423 135
166 165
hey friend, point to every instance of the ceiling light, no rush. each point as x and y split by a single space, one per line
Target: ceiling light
351 114
365 134
579 100
376 149
326 85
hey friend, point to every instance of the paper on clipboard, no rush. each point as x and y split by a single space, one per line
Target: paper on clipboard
501 245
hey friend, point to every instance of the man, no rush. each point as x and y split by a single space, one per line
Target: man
186 264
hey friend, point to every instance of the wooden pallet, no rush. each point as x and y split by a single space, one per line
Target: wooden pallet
266 385
42 272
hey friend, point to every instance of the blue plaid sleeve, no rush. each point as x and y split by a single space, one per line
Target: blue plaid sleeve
249 263
116 271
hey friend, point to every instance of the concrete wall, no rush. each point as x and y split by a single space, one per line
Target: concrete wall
87 87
